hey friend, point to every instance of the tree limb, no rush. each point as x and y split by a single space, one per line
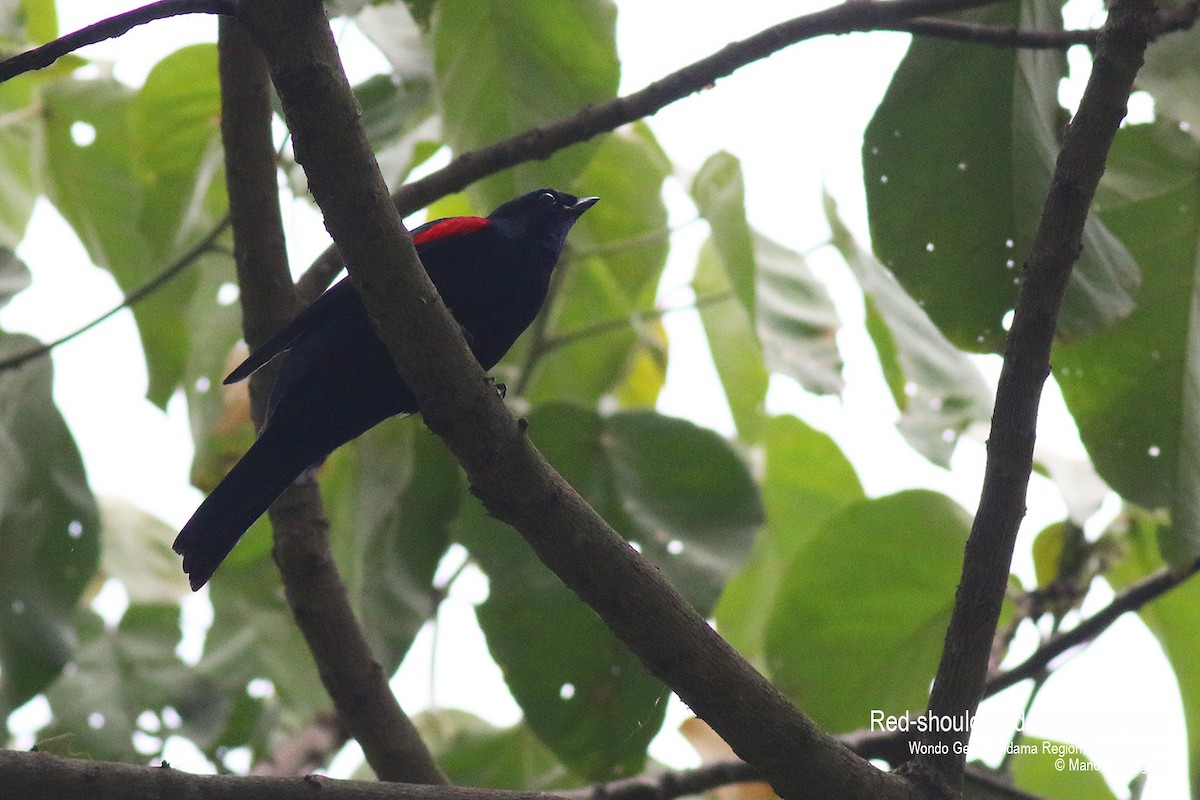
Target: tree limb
507 473
33 775
1165 21
47 54
961 676
320 604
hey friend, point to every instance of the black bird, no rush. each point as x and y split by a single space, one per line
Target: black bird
339 380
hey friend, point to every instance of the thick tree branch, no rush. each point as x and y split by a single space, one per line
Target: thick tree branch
110 28
36 775
314 589
959 685
511 478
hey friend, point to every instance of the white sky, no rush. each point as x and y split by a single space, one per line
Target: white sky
795 120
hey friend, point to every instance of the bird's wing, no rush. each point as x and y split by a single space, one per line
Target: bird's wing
312 317
339 294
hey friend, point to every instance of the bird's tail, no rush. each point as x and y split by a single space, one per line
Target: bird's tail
239 499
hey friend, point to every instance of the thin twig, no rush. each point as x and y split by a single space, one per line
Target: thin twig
110 28
177 266
1132 598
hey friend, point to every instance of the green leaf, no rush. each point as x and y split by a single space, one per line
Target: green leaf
118 674
254 635
939 391
473 753
392 494
395 116
957 162
22 144
719 192
797 321
609 272
144 189
14 276
808 479
505 66
40 19
1057 770
49 530
860 620
137 552
736 352
1172 618
684 498
1133 388
1171 74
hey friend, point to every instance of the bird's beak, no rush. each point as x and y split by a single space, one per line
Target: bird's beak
583 204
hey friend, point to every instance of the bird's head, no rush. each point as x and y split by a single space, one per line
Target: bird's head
544 215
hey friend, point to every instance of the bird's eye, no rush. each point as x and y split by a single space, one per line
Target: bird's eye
547 199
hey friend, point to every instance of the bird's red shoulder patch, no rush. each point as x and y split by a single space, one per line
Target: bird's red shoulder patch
451 226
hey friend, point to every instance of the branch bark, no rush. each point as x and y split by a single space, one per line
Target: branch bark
962 672
512 479
31 775
314 589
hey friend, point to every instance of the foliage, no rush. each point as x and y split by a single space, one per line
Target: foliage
834 594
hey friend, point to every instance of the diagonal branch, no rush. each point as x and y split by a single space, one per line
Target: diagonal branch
507 473
543 142
320 604
962 672
110 28
1131 598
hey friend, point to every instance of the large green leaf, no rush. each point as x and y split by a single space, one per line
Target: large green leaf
21 151
680 495
861 616
782 302
736 351
1057 771
504 66
117 675
138 176
808 479
1172 618
49 530
719 192
392 494
254 635
1134 389
473 753
957 162
137 552
609 272
939 392
1172 75
797 321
